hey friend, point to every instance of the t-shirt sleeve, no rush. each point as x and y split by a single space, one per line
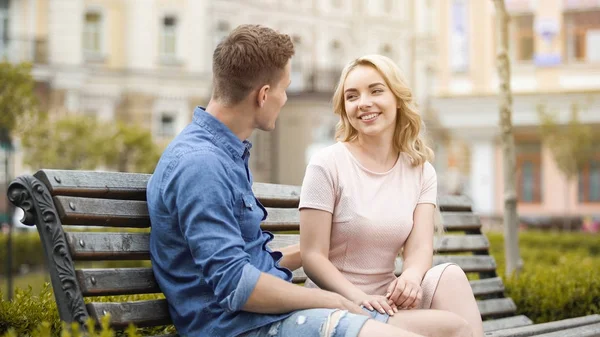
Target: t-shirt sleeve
318 190
428 185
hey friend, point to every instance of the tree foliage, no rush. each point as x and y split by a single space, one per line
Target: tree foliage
17 96
572 145
85 143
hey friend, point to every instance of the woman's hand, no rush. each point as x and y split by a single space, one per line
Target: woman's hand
405 292
379 303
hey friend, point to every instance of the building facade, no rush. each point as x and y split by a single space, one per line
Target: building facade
555 60
149 61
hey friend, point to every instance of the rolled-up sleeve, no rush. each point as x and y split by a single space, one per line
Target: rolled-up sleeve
199 189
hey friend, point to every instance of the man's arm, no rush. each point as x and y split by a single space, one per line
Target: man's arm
200 191
273 295
291 257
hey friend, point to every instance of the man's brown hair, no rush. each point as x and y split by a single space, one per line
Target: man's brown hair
251 56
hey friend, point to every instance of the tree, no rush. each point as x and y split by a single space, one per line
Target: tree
511 217
572 146
17 97
132 149
17 102
84 143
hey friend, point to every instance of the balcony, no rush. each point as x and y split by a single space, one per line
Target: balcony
315 81
17 50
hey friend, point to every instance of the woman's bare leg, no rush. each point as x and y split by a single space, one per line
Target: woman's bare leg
454 294
431 323
375 328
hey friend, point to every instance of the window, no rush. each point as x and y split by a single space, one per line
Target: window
522 37
459 36
92 33
222 30
166 126
388 6
168 43
386 50
297 75
589 182
582 36
529 175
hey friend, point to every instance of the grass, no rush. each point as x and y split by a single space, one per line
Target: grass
36 280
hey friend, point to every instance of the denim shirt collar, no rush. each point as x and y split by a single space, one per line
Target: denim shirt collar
222 135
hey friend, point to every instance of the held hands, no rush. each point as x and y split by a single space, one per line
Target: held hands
379 303
340 302
405 292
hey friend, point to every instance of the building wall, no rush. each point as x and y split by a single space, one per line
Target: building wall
466 101
128 79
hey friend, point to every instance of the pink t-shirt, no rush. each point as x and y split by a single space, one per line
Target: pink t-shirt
372 212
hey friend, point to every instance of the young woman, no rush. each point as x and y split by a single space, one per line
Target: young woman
371 196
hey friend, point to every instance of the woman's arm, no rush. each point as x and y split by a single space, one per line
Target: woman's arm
291 257
418 249
315 233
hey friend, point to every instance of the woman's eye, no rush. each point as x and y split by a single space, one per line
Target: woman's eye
350 97
377 91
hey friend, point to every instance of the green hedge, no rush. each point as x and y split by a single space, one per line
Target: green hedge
36 315
27 250
560 277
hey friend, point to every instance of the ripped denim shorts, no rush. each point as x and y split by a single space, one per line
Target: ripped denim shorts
313 323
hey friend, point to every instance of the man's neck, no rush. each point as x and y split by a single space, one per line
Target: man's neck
238 118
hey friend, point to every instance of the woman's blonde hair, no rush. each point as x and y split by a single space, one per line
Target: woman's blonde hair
407 133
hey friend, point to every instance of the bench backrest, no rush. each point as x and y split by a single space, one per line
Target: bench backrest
52 199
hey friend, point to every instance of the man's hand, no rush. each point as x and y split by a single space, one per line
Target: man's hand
405 292
380 303
340 302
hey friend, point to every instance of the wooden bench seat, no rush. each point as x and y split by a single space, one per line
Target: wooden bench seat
114 206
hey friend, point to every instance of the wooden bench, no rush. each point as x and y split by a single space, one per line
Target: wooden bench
52 199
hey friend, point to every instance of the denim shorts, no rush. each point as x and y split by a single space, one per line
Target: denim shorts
310 323
376 315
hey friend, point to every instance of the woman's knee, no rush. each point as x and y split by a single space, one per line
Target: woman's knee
453 274
460 328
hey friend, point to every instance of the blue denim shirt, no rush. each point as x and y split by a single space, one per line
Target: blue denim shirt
206 245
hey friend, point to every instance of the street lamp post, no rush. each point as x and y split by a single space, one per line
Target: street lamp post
6 146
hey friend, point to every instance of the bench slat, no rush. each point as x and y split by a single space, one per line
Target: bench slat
134 213
135 246
126 281
445 244
549 327
141 313
155 312
592 330
90 246
505 323
468 263
117 281
132 186
102 212
114 185
289 220
496 307
487 286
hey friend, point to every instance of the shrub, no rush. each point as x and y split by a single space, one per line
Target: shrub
559 279
27 250
37 316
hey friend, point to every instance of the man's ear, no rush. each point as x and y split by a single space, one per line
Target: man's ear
261 98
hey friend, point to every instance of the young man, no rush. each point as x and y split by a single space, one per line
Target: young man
208 252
